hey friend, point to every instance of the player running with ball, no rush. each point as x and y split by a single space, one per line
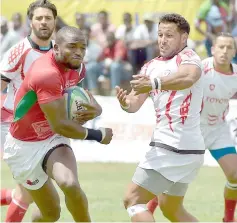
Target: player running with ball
37 149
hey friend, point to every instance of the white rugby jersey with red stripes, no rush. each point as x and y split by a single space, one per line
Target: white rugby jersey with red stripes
177 112
14 65
219 89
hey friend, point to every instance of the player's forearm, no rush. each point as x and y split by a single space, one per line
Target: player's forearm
177 81
70 129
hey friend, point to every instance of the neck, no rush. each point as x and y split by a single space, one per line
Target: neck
40 42
223 68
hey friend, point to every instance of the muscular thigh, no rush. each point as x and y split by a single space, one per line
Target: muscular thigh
60 164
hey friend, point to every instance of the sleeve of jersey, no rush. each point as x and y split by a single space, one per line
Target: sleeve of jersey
10 65
48 87
189 57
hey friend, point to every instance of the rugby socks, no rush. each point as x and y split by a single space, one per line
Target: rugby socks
16 211
152 204
6 196
229 210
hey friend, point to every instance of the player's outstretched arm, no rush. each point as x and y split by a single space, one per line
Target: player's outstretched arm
131 103
185 77
56 115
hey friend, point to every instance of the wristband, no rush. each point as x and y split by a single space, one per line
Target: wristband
93 134
156 83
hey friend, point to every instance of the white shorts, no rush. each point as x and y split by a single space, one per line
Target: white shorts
173 166
4 131
217 137
25 159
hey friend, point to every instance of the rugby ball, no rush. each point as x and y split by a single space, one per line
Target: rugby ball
74 97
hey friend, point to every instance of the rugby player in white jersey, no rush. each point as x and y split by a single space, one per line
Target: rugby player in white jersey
220 85
15 63
177 146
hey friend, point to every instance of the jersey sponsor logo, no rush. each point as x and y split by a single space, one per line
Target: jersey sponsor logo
70 83
31 183
42 128
217 100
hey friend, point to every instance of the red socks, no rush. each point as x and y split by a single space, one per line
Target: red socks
16 211
6 196
152 205
229 210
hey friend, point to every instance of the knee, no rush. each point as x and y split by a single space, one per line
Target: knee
69 186
52 214
232 176
115 66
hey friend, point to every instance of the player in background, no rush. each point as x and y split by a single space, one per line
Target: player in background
220 84
220 78
15 63
45 148
177 146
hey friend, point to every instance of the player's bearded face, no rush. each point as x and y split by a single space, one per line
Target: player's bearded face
43 23
224 50
169 40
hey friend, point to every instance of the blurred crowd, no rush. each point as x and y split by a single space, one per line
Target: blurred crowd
113 53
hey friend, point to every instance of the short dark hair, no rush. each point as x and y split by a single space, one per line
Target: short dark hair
103 12
41 4
177 19
225 34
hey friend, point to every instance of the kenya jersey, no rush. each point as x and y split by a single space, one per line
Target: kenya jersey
45 82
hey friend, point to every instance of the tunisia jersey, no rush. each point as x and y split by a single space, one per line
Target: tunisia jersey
15 63
45 82
218 90
177 112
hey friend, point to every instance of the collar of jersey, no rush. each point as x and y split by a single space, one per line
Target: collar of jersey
37 47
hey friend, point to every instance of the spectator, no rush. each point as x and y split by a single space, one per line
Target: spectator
126 30
100 29
144 46
81 21
93 51
113 63
8 37
216 15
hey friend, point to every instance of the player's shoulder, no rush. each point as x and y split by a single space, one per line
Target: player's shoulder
188 53
45 65
16 52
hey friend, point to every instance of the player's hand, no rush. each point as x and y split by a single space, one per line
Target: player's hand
108 135
122 97
141 84
90 112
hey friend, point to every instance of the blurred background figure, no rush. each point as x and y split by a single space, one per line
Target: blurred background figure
217 17
81 21
100 29
10 36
